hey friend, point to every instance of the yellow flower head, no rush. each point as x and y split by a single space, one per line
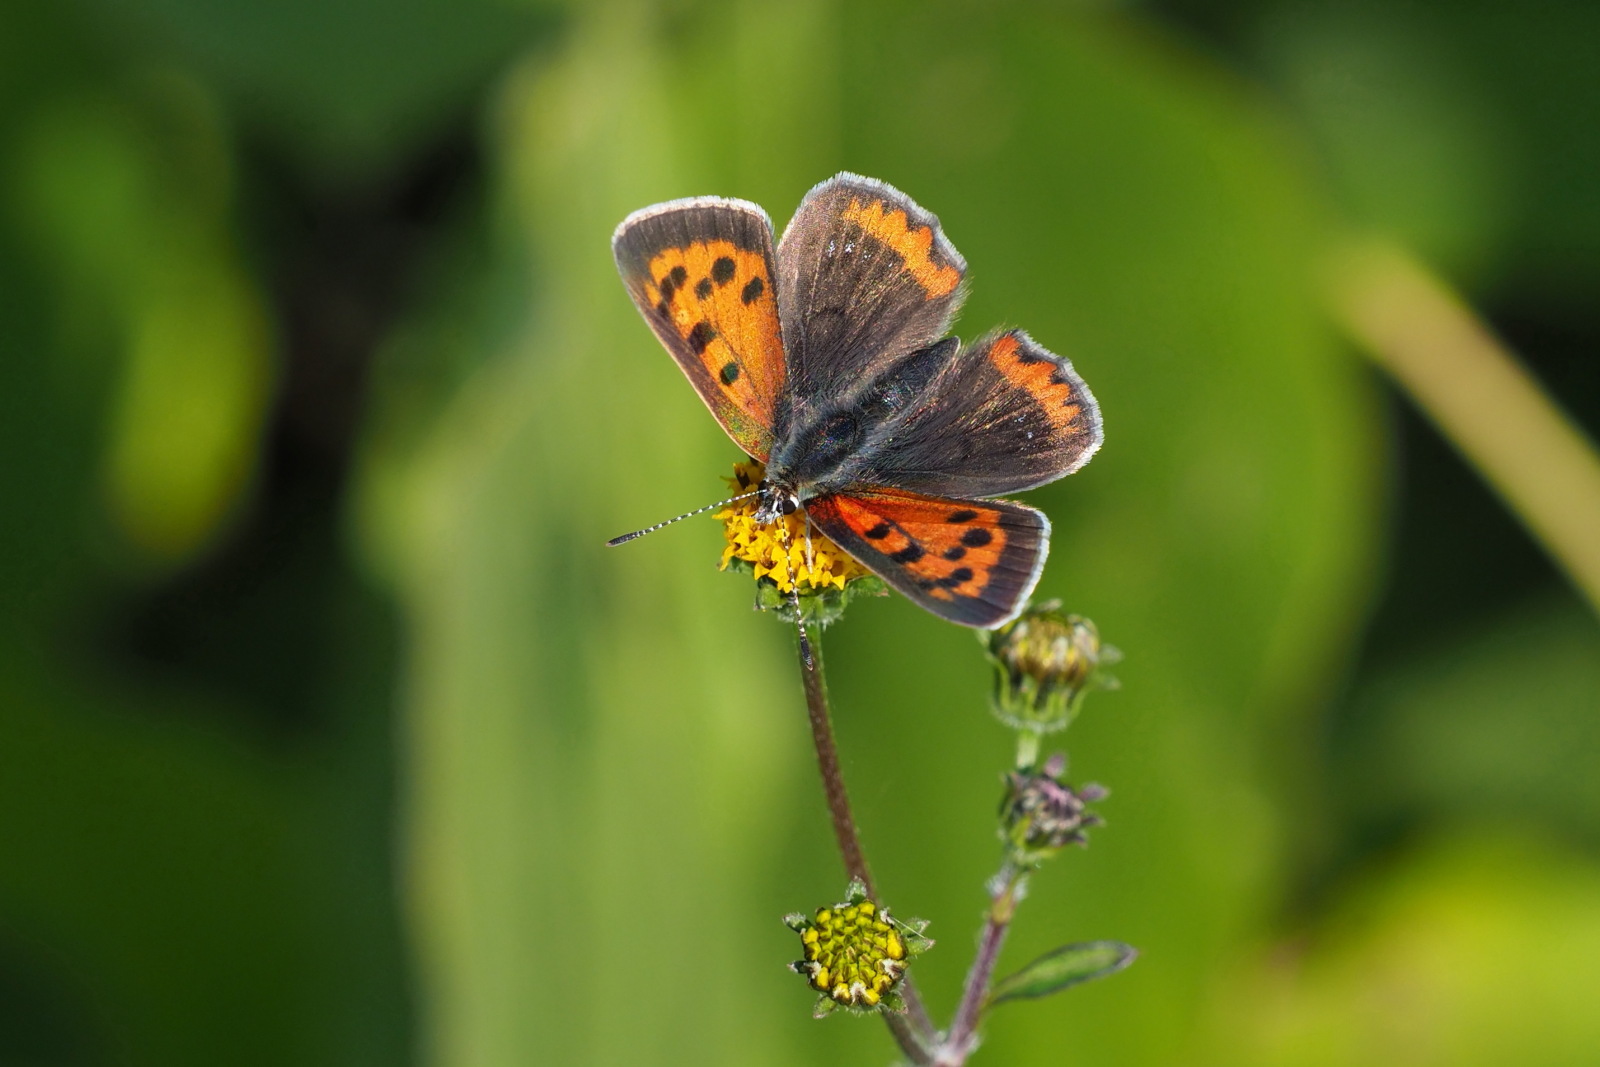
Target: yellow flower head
852 954
855 953
781 550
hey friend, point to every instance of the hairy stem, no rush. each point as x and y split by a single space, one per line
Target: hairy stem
912 1031
844 823
962 1039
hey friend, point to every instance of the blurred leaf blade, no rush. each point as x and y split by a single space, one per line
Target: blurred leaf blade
1063 968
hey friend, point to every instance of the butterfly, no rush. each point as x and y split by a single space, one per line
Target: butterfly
826 358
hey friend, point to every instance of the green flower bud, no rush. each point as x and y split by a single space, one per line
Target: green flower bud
1045 661
855 953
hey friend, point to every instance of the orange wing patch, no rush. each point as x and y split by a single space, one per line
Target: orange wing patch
1040 377
947 549
913 244
719 299
969 561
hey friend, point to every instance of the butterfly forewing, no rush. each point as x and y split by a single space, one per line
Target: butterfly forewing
865 277
701 272
972 562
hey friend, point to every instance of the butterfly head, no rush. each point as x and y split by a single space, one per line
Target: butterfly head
774 501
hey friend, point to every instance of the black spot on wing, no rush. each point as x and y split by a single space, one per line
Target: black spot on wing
964 515
752 290
702 288
909 554
954 553
958 577
730 373
702 334
976 537
878 532
722 270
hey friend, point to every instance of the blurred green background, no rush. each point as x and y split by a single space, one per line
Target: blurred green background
330 734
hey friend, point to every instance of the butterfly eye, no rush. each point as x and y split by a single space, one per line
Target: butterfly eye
775 503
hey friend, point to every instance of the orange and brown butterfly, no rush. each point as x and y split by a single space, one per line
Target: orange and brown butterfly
826 359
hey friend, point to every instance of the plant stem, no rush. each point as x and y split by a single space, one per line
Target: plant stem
961 1040
844 823
1027 748
913 1031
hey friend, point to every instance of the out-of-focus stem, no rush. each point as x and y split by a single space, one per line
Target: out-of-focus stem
912 1031
1027 748
961 1040
1480 397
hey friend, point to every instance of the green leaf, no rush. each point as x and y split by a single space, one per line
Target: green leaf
1066 966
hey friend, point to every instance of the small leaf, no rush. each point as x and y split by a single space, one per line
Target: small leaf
1066 966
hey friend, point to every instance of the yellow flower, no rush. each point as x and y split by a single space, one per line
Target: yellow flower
779 550
852 954
855 953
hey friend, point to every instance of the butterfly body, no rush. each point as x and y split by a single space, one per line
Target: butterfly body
826 358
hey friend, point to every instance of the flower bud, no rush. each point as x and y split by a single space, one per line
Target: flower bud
1045 661
1041 814
855 953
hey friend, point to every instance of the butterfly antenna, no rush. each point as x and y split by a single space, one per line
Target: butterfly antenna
625 538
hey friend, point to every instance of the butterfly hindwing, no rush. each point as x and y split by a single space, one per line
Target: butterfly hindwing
1003 416
701 272
974 562
865 277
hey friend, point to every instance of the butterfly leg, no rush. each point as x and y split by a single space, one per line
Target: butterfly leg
794 591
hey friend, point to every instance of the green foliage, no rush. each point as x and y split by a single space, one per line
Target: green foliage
1474 949
435 777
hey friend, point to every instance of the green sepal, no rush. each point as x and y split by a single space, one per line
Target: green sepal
892 1002
797 921
824 1007
1063 968
855 892
911 932
818 607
